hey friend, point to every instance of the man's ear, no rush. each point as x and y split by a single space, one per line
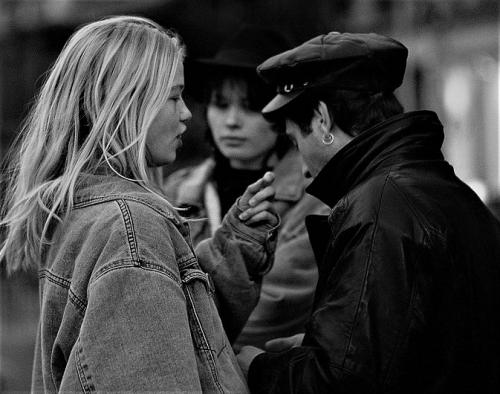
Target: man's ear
323 117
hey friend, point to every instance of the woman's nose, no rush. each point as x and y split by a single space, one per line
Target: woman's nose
185 112
233 118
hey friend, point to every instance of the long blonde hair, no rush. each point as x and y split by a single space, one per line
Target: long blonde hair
93 111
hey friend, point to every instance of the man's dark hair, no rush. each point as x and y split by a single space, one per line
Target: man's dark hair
353 111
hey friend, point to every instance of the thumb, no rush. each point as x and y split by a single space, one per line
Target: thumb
282 344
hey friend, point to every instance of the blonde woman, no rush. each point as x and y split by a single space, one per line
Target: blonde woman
126 303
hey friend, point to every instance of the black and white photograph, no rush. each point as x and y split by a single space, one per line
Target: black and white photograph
250 196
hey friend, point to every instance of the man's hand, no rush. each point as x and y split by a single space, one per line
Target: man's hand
256 202
282 344
246 356
248 353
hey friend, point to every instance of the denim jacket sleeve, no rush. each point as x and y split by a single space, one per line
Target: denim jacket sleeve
236 258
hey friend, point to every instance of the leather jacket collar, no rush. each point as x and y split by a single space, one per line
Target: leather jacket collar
410 136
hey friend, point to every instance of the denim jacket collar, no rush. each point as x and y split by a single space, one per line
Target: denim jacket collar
93 188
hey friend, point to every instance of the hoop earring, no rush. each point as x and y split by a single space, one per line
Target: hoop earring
328 139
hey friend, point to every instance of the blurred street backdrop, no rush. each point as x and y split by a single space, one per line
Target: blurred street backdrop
453 69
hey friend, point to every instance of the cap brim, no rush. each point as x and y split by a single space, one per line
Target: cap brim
280 101
224 63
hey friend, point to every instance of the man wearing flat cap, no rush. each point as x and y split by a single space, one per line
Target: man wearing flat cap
408 295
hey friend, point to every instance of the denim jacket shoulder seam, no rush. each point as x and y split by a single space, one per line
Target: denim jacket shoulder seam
125 197
163 212
129 228
54 278
79 303
129 263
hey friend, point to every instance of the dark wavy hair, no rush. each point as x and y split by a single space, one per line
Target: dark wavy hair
258 95
353 111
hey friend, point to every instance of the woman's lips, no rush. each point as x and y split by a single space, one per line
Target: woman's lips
179 140
232 141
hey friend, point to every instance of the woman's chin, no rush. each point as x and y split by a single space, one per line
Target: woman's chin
160 162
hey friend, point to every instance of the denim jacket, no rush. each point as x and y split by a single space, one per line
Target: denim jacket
288 289
128 304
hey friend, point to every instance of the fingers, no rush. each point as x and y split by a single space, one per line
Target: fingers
258 191
282 344
264 216
262 212
278 344
258 200
264 194
266 180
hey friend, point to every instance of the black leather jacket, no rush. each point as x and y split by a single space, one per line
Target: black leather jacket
408 296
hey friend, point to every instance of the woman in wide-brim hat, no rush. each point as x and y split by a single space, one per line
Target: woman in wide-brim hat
245 145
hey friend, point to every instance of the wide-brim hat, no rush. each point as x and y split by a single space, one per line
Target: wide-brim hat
349 61
247 48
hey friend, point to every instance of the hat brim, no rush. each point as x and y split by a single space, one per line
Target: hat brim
279 102
224 63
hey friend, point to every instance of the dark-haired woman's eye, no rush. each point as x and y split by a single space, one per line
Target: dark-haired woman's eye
221 104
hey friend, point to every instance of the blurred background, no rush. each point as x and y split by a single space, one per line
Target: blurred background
453 69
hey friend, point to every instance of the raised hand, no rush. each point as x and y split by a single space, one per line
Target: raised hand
256 202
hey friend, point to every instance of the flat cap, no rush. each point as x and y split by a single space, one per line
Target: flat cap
351 61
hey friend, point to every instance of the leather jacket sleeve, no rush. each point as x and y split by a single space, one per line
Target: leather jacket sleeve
366 313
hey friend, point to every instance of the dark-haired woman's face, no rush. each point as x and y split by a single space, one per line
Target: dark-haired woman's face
240 133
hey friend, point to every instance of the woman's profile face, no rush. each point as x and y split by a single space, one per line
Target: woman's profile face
164 135
241 134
